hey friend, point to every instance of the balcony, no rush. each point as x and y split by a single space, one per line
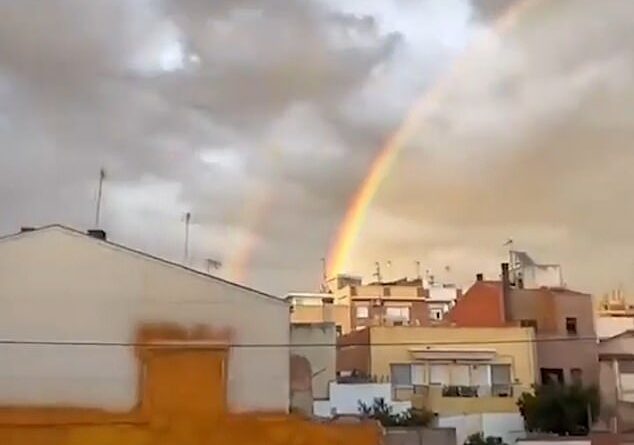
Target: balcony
463 399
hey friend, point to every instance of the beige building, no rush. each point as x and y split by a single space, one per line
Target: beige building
616 368
313 352
60 285
614 315
399 303
448 370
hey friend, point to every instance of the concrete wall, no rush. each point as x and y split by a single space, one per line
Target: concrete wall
610 326
317 342
508 426
315 314
57 285
550 308
420 436
345 398
174 410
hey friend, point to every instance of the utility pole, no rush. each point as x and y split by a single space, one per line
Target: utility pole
102 176
188 217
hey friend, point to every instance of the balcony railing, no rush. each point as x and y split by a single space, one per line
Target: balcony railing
468 391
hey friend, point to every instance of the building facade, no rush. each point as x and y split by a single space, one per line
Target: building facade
451 371
616 367
563 321
60 288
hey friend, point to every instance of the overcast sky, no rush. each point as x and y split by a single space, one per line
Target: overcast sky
262 118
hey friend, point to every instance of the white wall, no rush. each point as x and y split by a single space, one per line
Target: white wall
508 426
57 285
316 342
345 397
610 326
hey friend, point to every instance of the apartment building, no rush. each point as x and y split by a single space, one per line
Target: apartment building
616 367
451 371
563 321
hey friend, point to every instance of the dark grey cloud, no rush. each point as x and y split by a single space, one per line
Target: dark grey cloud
262 117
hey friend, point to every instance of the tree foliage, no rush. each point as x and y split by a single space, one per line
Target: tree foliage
479 439
382 411
559 409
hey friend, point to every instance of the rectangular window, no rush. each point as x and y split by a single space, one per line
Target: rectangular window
439 374
571 326
552 376
363 312
501 381
353 291
397 313
529 324
576 375
339 330
387 292
401 375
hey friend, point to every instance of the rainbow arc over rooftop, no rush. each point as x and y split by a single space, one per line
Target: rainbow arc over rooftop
355 216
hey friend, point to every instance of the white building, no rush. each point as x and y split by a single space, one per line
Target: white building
525 273
62 286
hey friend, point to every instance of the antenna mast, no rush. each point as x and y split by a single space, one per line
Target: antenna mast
324 275
188 217
417 264
102 176
377 272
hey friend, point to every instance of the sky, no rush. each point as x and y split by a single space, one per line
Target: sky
261 118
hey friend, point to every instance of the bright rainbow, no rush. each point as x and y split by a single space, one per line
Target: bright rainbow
352 223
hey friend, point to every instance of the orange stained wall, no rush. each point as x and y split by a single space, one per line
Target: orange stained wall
182 401
480 306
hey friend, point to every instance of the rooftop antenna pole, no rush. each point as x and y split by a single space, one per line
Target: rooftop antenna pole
188 217
102 176
211 263
417 264
324 275
377 272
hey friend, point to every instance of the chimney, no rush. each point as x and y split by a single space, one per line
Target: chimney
479 277
24 229
97 233
327 309
506 292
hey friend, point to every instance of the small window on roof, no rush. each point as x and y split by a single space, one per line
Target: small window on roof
571 325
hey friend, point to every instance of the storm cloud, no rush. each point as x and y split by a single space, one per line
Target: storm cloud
262 117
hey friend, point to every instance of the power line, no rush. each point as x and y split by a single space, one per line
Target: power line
201 343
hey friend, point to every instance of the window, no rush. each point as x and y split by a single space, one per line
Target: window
501 381
339 330
387 292
571 326
401 375
436 314
397 313
439 374
552 376
353 291
363 312
576 375
529 324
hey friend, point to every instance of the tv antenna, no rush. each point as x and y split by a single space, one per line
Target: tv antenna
102 176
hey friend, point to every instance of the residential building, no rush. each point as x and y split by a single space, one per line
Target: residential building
451 371
313 363
344 398
614 315
399 303
563 321
440 299
525 272
616 370
319 308
63 286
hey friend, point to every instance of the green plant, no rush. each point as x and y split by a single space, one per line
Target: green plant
559 409
382 412
479 439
